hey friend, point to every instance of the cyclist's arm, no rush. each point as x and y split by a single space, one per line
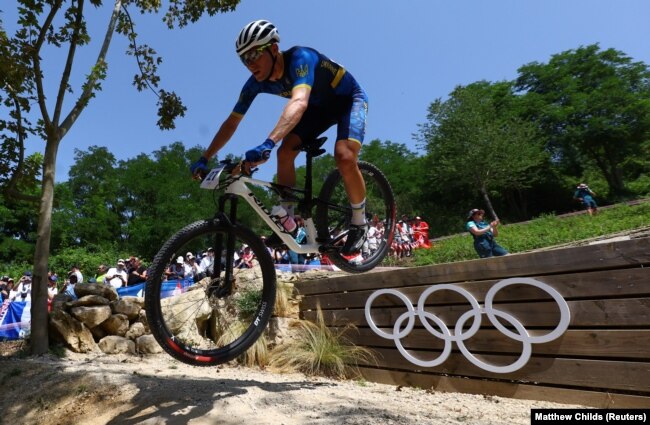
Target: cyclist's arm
224 134
293 111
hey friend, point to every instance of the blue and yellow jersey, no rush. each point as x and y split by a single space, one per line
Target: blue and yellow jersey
304 66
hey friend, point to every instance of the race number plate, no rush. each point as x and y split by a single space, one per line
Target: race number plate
211 181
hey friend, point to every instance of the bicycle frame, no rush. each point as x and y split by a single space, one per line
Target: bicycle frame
239 188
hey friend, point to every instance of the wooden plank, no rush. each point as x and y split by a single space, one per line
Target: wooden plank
600 284
505 389
614 255
584 313
577 373
611 344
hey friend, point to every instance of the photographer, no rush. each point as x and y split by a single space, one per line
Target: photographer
24 288
484 234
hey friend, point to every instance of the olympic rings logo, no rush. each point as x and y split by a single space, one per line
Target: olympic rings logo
459 336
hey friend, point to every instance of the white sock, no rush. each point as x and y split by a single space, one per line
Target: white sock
359 213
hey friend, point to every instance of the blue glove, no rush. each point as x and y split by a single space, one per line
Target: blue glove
199 166
261 152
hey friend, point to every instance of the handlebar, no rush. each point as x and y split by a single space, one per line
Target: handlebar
230 167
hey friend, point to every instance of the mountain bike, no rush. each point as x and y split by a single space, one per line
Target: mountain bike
216 315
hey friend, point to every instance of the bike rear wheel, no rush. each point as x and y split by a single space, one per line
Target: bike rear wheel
203 320
333 215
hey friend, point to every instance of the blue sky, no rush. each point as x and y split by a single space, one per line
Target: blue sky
405 54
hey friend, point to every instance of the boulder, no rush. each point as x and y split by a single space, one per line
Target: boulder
117 324
71 331
106 291
186 323
98 332
60 301
113 344
135 331
147 344
89 300
126 306
142 318
135 300
91 316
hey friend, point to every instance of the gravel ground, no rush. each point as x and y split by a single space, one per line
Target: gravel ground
156 389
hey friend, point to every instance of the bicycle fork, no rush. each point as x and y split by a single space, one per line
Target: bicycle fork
225 286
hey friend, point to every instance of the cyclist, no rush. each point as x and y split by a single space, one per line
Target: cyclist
321 93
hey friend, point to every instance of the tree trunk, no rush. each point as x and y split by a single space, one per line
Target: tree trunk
39 325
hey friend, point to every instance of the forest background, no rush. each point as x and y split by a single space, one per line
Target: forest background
519 147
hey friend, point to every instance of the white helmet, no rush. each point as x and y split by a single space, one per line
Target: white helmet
257 33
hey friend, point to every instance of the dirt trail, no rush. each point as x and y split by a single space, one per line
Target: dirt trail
125 389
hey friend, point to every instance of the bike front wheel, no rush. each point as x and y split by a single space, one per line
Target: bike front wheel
215 315
333 215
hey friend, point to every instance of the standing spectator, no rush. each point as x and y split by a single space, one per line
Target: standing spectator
207 262
68 287
4 293
421 232
52 290
192 268
586 196
137 272
75 270
404 232
101 273
247 257
176 271
24 288
11 291
116 276
301 238
484 234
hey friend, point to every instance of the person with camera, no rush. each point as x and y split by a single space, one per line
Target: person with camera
586 197
24 289
484 234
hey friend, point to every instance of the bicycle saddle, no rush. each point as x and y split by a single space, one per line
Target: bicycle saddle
312 147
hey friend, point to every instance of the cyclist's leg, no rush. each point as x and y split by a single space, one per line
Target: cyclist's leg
350 134
346 154
286 159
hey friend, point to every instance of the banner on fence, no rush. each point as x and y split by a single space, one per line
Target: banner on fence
15 319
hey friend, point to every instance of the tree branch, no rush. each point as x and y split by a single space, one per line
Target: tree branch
35 53
65 77
98 70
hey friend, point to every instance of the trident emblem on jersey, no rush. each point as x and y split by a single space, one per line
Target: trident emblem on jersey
302 70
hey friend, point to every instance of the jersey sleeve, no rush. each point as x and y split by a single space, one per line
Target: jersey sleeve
246 97
302 68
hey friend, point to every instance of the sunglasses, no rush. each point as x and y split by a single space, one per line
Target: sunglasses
253 54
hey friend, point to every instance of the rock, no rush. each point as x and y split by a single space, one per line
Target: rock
185 322
147 344
135 300
113 344
98 332
117 324
106 291
74 333
60 301
277 332
89 300
126 306
135 331
142 318
91 316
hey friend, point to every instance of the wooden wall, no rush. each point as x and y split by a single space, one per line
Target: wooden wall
602 360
